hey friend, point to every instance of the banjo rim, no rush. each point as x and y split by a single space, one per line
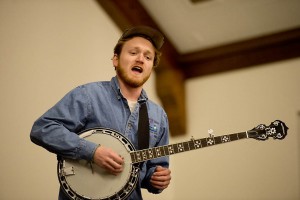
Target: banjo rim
127 187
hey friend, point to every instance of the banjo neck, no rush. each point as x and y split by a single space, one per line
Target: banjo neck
98 184
277 130
193 144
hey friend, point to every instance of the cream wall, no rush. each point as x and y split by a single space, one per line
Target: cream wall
247 169
49 47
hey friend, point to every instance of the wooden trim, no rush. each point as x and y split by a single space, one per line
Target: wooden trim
175 68
169 79
131 13
257 51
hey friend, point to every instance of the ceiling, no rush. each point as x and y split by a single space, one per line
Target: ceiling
204 37
201 31
204 24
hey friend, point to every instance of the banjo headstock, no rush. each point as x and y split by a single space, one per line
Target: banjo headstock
277 130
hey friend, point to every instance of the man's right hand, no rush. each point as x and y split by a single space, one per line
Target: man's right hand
106 158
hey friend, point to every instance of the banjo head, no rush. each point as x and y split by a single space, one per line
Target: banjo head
81 179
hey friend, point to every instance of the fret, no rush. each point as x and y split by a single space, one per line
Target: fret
171 149
242 135
175 147
197 144
218 140
144 154
233 137
186 146
180 147
166 150
162 151
191 145
150 153
225 138
210 141
203 142
133 158
156 152
138 156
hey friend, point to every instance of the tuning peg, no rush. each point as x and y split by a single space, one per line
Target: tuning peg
211 133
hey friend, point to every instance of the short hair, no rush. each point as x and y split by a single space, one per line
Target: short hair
119 46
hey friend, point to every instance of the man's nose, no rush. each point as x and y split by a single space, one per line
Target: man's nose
140 58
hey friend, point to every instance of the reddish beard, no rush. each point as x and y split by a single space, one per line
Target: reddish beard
132 82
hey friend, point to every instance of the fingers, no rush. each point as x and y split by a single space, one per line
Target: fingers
109 160
114 166
161 178
160 183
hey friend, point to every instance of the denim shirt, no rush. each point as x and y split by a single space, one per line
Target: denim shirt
100 104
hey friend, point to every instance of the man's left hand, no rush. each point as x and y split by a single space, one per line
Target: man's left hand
161 178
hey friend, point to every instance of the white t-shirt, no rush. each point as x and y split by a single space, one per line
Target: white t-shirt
131 104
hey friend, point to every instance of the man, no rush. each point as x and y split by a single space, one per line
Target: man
116 105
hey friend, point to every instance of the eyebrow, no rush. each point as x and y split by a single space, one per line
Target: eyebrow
138 48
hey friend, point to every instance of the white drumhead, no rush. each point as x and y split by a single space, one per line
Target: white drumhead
94 182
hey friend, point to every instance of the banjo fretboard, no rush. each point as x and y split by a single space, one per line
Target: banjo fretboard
193 144
70 171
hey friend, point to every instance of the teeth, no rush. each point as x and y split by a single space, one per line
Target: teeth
137 69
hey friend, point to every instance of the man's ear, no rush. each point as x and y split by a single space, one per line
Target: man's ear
115 60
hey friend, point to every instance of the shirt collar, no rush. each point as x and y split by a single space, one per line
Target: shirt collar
116 87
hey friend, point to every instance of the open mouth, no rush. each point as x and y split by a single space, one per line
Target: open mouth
137 69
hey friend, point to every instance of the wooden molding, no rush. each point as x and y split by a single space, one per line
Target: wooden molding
248 53
175 68
169 79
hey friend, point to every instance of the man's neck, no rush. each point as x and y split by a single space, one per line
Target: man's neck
130 93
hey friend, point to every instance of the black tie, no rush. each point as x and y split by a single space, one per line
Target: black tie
143 129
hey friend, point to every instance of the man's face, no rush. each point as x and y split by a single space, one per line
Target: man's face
135 63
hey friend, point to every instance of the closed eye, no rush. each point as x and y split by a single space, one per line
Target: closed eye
148 57
132 53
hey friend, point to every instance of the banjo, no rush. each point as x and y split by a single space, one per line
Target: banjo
82 180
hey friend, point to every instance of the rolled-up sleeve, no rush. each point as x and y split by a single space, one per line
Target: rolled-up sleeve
57 130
